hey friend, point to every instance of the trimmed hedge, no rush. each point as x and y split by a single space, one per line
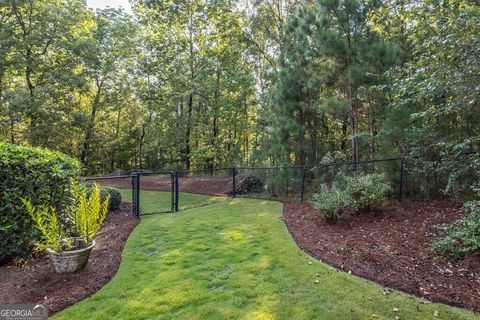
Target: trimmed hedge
115 197
44 177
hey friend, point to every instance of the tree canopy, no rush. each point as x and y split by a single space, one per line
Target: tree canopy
200 84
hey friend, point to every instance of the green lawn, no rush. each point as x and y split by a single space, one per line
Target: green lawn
236 260
160 201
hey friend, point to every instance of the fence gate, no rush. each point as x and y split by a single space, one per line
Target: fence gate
153 193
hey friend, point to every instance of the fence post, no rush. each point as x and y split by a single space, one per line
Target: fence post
302 195
134 195
137 194
172 190
176 190
234 187
400 189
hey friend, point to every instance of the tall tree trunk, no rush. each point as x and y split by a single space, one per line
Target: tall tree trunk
300 143
192 91
91 124
353 121
117 135
188 131
215 128
344 134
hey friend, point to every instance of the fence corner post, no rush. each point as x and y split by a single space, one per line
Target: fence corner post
234 187
400 188
176 190
302 194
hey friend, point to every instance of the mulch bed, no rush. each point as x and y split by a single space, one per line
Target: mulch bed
392 248
35 281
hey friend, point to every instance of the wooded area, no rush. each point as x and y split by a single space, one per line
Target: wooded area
198 84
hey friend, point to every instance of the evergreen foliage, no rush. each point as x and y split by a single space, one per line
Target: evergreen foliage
41 175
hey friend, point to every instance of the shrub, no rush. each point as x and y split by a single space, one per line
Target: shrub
361 193
331 202
45 177
367 192
113 193
249 184
463 236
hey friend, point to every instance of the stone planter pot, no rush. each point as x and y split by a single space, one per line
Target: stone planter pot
71 261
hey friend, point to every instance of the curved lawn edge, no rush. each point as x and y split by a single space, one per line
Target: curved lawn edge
237 260
35 282
362 243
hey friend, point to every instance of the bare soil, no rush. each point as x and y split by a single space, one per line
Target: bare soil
34 281
391 247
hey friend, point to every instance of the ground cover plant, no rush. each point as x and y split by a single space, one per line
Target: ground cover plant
461 237
236 260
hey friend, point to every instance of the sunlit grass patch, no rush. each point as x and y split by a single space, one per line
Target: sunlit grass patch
236 260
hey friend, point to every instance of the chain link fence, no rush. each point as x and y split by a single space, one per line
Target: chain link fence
412 177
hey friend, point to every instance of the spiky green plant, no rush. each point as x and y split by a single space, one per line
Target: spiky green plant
89 213
46 220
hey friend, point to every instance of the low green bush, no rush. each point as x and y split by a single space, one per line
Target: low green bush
461 237
45 177
360 193
249 184
113 193
367 192
331 202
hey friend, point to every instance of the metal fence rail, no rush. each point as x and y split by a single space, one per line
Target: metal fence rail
412 177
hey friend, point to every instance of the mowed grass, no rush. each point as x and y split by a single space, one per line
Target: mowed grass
236 260
160 201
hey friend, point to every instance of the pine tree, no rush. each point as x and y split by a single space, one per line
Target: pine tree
360 56
331 53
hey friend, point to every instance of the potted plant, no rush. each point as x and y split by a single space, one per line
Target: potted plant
68 249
